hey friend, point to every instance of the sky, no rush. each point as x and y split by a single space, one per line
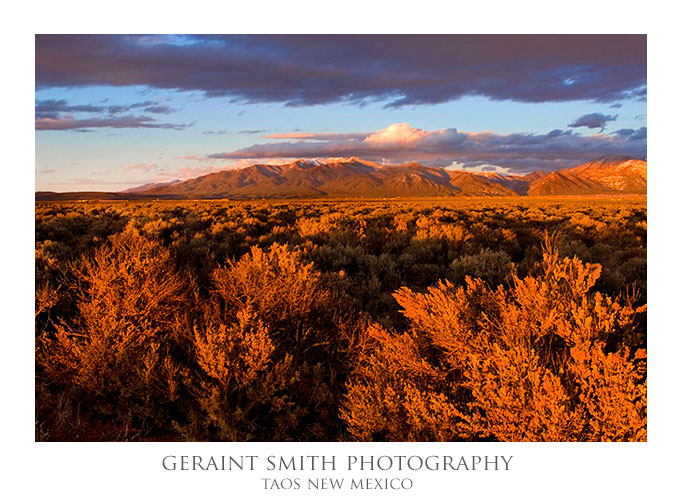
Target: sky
117 111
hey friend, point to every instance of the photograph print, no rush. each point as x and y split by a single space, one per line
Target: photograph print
428 238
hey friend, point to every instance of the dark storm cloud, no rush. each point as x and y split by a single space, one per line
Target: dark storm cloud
126 108
633 134
593 121
158 109
69 123
253 131
147 107
315 69
52 108
518 152
219 132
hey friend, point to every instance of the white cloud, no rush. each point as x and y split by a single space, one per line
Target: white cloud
397 134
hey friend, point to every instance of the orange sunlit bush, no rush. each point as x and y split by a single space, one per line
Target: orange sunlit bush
121 353
542 360
271 351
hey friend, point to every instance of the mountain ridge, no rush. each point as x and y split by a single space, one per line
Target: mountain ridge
354 177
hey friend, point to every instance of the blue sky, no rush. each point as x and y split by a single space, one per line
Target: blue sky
114 112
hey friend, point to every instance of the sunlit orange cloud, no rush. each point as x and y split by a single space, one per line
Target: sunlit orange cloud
293 135
317 135
193 157
482 134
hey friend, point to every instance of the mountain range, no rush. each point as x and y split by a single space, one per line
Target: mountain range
354 177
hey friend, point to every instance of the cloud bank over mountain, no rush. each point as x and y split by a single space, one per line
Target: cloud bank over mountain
520 152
